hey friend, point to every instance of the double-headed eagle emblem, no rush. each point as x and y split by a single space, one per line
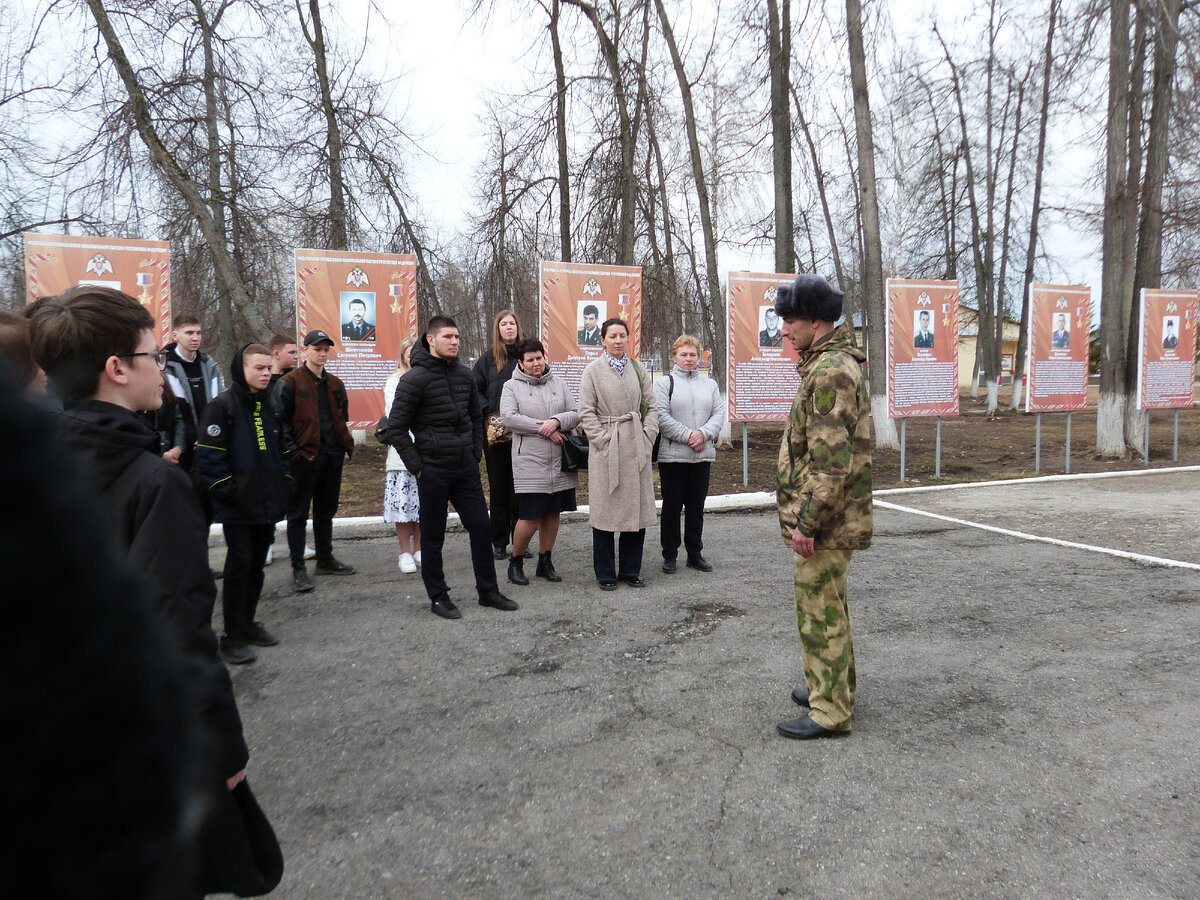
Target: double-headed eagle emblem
99 264
357 277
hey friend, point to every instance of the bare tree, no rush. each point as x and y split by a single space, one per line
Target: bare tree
872 265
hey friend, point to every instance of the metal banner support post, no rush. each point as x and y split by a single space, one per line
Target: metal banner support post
1037 446
745 455
1146 444
1068 443
937 453
903 445
1175 446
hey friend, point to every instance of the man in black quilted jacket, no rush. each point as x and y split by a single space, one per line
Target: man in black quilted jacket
438 401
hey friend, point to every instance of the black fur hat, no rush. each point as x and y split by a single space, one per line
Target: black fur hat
809 297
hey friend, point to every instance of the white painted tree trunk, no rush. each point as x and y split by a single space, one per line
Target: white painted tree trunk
975 384
886 434
1018 393
993 397
1135 424
1110 425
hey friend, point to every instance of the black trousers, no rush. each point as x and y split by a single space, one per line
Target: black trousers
502 496
245 555
630 544
320 483
462 487
684 487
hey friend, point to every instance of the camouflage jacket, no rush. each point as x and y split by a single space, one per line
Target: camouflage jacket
824 481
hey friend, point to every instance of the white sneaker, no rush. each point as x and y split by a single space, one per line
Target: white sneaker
270 555
310 553
417 557
408 565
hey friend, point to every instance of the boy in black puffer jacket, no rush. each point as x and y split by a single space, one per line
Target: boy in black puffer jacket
240 464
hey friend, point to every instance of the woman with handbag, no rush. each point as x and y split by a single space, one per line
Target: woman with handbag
401 503
492 371
536 406
690 416
619 415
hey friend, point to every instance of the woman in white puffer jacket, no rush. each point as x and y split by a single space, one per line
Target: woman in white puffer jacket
690 416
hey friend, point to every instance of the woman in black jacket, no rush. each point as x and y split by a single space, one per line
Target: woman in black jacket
492 371
242 468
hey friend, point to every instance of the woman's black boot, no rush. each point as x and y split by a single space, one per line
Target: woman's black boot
516 570
545 568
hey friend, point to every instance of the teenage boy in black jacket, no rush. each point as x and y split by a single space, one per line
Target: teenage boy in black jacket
97 346
240 465
437 400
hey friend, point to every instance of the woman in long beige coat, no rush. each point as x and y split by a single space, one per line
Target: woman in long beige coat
612 396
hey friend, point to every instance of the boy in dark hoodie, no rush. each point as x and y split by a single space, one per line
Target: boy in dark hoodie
240 465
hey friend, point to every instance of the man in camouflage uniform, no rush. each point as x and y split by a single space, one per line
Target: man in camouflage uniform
824 497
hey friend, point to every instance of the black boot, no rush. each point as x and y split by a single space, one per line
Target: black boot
545 568
516 570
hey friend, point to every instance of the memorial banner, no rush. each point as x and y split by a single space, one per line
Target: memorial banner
366 302
922 348
142 269
575 300
762 379
1060 322
1167 349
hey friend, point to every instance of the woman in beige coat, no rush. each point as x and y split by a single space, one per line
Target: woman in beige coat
619 415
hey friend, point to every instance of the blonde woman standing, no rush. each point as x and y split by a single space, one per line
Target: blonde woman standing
492 371
619 415
690 416
401 505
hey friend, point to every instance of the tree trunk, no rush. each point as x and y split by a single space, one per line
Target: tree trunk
1005 232
713 280
886 434
560 135
1148 265
338 238
170 169
780 61
1039 166
1110 414
226 339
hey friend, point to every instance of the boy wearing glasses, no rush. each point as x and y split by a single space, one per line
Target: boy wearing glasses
97 346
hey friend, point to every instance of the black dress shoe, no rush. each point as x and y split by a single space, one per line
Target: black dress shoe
669 566
632 580
333 566
800 696
497 600
699 563
235 651
445 608
528 554
259 636
500 552
607 585
805 729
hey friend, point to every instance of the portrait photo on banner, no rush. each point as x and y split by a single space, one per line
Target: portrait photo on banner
591 314
358 315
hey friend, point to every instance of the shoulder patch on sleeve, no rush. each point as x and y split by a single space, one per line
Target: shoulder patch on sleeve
824 399
214 430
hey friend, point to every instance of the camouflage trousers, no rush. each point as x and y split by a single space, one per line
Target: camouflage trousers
823 617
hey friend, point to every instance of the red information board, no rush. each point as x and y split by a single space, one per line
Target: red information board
1060 321
1167 349
142 269
762 379
922 348
366 302
576 298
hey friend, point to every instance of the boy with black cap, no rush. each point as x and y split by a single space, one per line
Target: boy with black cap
239 464
824 497
313 411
